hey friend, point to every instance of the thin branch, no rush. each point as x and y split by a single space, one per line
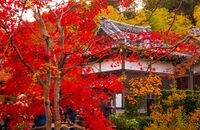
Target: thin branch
34 32
61 39
174 18
90 63
154 10
187 38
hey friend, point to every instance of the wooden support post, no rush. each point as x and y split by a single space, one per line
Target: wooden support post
191 78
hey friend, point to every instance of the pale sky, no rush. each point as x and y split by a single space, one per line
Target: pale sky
29 15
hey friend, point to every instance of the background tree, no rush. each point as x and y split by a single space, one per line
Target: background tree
140 17
186 6
162 20
197 16
159 20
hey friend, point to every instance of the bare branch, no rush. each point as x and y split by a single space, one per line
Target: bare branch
174 18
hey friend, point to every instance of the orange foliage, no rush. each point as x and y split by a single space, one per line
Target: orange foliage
168 117
148 84
3 76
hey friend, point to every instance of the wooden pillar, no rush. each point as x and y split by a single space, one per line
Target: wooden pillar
99 66
191 78
123 64
123 92
114 102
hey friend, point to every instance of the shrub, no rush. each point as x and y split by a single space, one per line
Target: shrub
144 121
123 122
131 110
169 114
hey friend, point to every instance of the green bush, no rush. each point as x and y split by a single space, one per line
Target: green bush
119 120
144 121
190 103
131 124
131 110
123 123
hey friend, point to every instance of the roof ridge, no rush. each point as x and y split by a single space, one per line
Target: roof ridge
103 18
123 23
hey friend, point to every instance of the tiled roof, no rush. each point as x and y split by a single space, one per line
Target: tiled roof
112 27
196 31
117 31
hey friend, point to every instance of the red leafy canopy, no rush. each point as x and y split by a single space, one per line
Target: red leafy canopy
56 47
23 44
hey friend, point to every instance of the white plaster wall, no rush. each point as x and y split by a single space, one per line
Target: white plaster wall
109 65
163 67
94 68
196 68
142 65
118 100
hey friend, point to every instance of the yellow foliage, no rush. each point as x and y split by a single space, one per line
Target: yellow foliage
46 68
148 84
181 24
114 14
122 78
197 15
162 20
167 117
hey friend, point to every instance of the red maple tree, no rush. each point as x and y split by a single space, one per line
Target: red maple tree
45 59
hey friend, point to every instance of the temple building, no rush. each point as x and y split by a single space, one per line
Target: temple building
113 29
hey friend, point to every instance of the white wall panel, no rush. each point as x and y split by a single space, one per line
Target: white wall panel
196 68
109 65
93 68
142 65
118 100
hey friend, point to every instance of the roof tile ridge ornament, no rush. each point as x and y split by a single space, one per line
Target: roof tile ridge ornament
103 18
121 27
110 28
196 32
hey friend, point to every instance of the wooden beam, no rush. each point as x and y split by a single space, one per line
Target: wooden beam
191 78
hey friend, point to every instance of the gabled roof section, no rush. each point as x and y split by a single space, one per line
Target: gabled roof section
196 31
131 28
111 27
119 31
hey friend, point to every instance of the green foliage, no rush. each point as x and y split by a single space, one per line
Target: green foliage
181 25
22 126
123 122
118 120
144 121
160 20
187 6
163 20
190 102
113 14
131 124
169 112
131 110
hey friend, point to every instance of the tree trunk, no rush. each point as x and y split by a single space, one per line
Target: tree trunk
57 119
47 109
